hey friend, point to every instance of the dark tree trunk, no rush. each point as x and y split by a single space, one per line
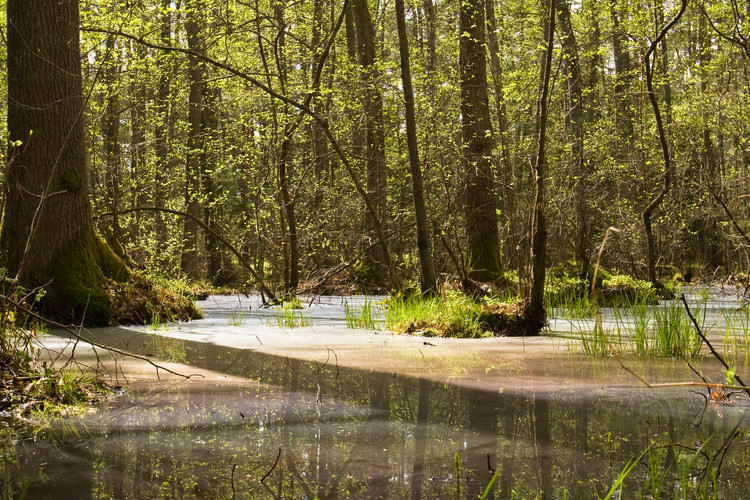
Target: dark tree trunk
110 126
534 310
138 148
668 172
574 124
426 267
623 78
505 175
48 238
192 257
374 134
430 34
318 138
162 130
478 196
214 254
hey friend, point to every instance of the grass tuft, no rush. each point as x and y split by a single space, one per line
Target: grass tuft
452 314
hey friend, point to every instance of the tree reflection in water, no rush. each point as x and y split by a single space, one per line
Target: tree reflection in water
352 432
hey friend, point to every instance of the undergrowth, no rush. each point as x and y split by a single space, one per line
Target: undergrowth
451 314
32 390
663 330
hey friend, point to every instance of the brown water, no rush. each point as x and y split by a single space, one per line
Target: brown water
326 412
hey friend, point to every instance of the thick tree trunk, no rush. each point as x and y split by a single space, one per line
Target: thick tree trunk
427 271
374 135
48 238
478 196
192 261
574 124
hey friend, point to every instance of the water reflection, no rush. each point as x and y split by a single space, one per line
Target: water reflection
304 429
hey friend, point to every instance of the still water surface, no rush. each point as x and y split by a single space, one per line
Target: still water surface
329 412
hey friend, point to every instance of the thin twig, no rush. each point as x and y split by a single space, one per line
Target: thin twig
272 467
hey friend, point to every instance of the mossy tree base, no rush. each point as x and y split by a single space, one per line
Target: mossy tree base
92 286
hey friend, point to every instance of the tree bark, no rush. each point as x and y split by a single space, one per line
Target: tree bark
478 196
427 270
374 135
534 310
192 261
48 238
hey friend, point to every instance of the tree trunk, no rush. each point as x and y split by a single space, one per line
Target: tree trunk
110 126
48 238
668 172
478 196
192 261
162 129
426 267
506 174
623 78
138 148
574 124
214 255
374 135
534 311
430 34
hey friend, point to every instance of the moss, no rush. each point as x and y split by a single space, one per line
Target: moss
110 263
93 286
139 301
71 180
622 289
76 293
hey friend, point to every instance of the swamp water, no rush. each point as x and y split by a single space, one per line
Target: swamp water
323 411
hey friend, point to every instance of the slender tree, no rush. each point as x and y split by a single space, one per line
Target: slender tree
427 271
534 309
668 171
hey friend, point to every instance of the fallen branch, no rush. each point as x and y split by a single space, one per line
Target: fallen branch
711 347
72 331
741 387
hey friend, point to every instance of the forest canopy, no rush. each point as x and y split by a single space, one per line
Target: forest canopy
266 142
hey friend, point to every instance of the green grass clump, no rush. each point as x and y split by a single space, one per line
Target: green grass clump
646 330
287 317
450 315
362 317
565 291
236 318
